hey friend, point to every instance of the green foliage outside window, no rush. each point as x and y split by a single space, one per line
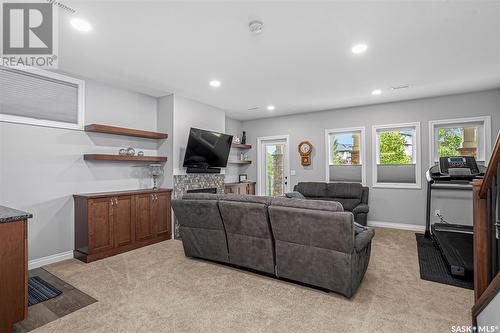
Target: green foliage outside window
392 148
450 140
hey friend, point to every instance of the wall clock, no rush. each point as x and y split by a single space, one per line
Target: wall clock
305 150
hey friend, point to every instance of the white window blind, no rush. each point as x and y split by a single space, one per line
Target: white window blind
40 98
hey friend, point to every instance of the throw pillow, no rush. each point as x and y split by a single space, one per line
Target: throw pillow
295 195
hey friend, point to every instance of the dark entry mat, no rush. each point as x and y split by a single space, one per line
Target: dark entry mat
433 267
40 290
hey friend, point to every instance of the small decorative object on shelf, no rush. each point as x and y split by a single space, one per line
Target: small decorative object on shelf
244 138
140 153
243 178
236 140
122 152
130 151
156 171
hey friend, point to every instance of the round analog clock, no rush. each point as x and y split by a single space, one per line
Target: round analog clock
305 150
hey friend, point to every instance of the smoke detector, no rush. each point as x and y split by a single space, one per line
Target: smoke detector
255 27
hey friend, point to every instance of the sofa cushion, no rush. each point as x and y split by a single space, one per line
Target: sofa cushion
348 204
345 190
331 206
247 198
312 189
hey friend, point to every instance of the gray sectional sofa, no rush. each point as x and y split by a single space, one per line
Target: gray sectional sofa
313 242
352 196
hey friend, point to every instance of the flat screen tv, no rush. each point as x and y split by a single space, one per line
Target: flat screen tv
207 151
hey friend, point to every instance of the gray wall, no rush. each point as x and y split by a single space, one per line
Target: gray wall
387 205
234 127
42 167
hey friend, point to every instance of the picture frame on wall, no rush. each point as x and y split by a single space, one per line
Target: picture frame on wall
243 178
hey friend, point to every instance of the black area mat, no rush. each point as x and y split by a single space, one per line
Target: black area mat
433 267
40 290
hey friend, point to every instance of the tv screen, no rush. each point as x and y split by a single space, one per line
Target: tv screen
207 149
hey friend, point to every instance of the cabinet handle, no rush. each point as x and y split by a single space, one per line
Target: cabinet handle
116 201
112 202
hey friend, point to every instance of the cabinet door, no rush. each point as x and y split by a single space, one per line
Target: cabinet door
229 189
100 224
251 189
162 213
123 212
144 228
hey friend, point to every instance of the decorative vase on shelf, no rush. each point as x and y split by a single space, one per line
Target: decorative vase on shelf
130 151
244 138
122 152
156 171
140 153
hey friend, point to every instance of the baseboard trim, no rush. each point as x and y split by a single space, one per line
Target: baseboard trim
394 225
35 263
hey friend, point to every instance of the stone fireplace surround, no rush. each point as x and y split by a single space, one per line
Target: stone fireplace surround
198 181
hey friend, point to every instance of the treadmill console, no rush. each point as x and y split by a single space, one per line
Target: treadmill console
464 167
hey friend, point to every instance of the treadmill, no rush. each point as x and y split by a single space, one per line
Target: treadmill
454 241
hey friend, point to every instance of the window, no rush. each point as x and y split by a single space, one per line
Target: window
460 137
345 155
39 97
396 150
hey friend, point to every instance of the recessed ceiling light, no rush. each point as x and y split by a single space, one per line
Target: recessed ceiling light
376 92
359 48
271 107
81 25
215 83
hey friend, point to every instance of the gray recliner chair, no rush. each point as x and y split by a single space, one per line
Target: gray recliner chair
352 196
316 244
200 226
249 236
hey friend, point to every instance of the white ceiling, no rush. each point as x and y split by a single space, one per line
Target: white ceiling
301 62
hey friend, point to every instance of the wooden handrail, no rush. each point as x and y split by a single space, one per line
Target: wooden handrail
486 275
491 170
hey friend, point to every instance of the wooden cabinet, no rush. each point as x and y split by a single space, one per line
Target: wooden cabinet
123 212
240 188
161 214
110 223
101 224
144 226
13 267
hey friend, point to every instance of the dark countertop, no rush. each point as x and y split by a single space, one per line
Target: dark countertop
9 215
120 193
238 183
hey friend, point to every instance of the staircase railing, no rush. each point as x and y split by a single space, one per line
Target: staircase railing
486 198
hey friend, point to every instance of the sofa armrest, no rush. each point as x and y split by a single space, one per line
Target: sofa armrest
363 239
361 208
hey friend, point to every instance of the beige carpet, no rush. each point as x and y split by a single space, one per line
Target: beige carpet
157 289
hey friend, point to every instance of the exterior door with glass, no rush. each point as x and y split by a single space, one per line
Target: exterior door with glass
273 167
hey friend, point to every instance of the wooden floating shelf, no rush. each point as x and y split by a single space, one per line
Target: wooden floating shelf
123 158
240 162
241 146
99 128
